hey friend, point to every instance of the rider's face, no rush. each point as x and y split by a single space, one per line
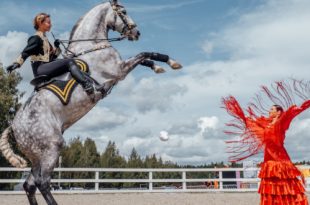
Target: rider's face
45 25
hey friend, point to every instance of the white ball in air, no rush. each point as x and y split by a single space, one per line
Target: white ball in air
163 136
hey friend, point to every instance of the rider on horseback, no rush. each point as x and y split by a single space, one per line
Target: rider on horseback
43 56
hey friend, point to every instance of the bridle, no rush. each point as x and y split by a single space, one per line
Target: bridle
120 12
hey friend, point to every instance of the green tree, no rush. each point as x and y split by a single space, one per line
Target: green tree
9 98
71 157
151 162
90 156
79 154
134 160
73 153
111 158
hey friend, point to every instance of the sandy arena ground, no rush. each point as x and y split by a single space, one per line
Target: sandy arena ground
142 199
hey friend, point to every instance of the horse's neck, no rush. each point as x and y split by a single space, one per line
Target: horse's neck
91 26
104 64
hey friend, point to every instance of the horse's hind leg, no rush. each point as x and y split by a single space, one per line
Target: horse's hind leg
43 175
30 188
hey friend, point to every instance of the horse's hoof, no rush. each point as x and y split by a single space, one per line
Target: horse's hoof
158 69
174 65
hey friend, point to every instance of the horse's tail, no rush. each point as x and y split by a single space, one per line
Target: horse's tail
7 150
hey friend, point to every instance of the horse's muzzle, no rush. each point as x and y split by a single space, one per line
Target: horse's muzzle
133 34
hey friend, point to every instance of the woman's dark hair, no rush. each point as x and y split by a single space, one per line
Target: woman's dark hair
39 18
279 108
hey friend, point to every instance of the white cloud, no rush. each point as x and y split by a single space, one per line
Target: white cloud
278 30
193 148
100 118
205 123
297 138
150 94
11 45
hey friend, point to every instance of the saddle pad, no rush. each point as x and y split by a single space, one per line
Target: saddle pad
64 89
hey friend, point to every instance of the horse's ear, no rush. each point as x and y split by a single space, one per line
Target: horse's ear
113 2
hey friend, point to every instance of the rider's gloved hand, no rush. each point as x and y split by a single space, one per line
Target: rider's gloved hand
12 67
57 43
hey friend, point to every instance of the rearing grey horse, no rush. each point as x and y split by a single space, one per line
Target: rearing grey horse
39 125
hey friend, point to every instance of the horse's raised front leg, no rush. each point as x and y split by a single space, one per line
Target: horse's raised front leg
153 66
43 174
30 188
144 59
162 58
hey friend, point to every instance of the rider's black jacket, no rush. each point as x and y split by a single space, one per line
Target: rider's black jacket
40 51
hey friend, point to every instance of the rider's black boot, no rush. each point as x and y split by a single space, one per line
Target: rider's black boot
80 78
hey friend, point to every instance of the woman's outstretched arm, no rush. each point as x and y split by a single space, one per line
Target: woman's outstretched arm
292 112
246 129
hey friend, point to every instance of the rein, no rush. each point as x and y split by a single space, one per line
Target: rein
94 39
96 48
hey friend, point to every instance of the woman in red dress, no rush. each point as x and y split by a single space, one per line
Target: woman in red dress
281 182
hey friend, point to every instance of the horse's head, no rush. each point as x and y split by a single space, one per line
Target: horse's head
119 21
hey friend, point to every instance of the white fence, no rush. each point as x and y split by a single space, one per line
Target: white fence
185 184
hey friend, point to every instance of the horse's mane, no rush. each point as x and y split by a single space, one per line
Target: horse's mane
75 27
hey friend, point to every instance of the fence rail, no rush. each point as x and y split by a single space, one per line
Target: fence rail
237 183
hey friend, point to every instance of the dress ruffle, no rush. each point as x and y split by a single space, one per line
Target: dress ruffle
279 169
280 184
299 199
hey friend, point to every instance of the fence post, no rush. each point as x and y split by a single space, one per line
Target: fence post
221 179
97 183
150 181
184 180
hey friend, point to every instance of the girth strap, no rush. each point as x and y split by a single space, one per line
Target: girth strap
96 48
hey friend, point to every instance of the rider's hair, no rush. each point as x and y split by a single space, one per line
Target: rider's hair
279 108
38 19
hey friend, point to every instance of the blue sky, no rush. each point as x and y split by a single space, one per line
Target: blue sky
226 47
170 26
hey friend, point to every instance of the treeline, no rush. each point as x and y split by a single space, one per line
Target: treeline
85 154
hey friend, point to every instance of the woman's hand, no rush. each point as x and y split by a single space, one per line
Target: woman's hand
12 67
57 43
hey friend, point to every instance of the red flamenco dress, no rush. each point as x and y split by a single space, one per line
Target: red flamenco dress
281 182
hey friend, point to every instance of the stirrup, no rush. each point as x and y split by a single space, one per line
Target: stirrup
89 88
102 87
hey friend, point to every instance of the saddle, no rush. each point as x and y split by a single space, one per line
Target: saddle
62 86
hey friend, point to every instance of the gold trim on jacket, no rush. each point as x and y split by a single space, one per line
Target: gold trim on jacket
46 49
